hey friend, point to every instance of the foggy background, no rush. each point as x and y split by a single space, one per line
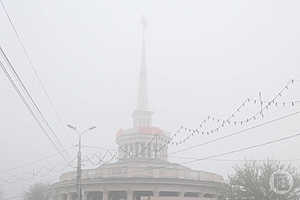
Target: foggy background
203 57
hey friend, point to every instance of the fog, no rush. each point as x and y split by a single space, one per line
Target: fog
203 58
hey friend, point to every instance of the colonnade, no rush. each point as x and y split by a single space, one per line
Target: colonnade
128 195
143 150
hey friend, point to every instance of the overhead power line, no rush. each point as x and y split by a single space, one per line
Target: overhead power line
22 166
243 131
35 72
14 197
40 174
222 123
28 105
228 121
239 160
31 62
244 149
29 95
237 133
230 152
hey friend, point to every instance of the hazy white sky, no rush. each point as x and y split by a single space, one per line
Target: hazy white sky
204 57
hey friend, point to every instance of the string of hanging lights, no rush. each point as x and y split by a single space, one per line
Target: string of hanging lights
231 120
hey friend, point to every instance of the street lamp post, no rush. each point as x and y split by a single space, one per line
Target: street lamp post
78 177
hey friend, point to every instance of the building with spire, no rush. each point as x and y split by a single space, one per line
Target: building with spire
143 141
142 171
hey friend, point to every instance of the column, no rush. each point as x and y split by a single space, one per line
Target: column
125 151
143 150
134 150
154 153
54 197
155 193
166 152
160 151
137 149
181 194
129 195
84 195
120 152
146 150
69 196
105 195
131 151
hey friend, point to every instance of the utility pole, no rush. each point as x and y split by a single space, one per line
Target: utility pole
78 178
79 165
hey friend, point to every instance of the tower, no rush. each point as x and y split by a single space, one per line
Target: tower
142 117
143 141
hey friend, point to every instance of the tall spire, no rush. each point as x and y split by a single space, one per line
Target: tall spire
142 103
142 116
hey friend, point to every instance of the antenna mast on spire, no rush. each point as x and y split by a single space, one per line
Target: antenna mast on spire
143 90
